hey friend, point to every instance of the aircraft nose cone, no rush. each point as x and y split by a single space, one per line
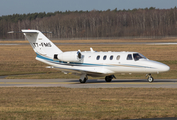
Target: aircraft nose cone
164 68
160 67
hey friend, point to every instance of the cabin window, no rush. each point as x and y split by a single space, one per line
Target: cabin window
129 57
104 57
98 57
111 57
118 57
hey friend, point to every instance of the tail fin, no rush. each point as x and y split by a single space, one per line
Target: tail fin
41 44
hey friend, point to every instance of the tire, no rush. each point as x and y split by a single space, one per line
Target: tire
83 81
150 79
108 78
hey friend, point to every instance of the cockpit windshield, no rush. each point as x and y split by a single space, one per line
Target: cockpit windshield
138 56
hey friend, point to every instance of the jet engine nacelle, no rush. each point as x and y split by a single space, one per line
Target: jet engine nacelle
74 56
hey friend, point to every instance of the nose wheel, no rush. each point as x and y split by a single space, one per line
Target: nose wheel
150 78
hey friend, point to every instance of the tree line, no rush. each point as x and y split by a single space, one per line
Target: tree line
84 24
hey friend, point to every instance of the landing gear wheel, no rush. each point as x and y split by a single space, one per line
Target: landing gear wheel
84 80
150 79
108 78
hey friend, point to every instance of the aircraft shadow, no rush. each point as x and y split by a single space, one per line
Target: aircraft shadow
127 81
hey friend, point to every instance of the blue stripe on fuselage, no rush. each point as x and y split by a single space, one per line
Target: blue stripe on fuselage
85 64
70 63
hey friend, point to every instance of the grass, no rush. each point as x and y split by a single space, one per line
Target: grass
103 104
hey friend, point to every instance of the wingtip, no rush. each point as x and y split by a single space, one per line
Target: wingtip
10 32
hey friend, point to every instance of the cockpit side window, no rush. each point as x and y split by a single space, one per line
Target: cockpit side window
129 57
138 56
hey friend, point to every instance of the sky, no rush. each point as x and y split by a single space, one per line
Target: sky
10 7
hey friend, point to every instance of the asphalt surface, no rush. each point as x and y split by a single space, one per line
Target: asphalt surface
94 83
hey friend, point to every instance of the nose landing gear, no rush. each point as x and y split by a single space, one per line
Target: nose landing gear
150 78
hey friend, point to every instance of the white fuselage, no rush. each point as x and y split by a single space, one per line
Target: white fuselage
107 63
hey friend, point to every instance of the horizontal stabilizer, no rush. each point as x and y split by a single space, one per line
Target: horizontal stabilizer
25 32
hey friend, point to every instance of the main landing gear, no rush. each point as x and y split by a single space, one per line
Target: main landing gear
109 78
83 78
150 78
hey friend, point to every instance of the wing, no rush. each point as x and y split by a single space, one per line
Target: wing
94 73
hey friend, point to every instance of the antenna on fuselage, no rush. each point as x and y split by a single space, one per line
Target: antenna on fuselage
91 49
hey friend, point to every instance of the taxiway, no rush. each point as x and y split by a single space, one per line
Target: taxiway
94 83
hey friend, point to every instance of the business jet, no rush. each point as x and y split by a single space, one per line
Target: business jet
91 63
